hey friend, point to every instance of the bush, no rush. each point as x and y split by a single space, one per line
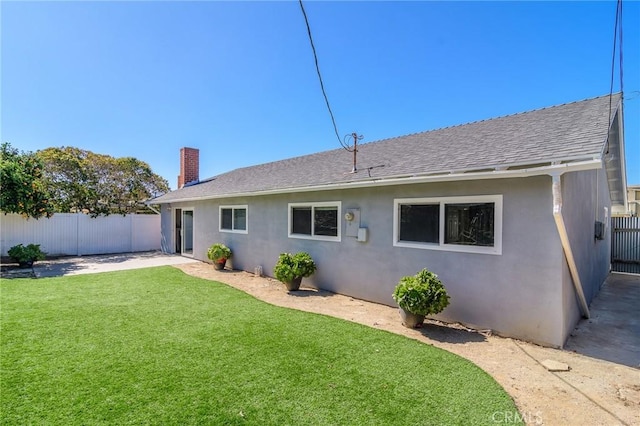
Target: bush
421 294
218 252
22 254
291 266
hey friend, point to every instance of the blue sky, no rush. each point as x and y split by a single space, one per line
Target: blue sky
237 79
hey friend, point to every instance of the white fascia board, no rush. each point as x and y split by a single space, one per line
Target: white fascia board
430 178
623 159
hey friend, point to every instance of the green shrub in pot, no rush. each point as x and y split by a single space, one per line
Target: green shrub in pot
219 253
291 268
420 295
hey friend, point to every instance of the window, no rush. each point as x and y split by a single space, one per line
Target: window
233 219
420 222
318 221
470 224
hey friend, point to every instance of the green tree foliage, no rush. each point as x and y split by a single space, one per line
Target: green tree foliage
22 189
83 181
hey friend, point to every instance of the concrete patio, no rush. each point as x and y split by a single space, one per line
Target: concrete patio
613 331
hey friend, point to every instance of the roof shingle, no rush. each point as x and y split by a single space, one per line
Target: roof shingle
565 132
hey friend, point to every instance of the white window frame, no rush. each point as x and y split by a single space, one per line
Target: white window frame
496 249
313 205
234 207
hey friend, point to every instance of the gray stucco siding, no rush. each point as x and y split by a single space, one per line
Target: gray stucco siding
585 196
518 293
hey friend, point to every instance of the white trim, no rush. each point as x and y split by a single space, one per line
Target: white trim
496 249
412 179
234 207
623 160
336 204
153 209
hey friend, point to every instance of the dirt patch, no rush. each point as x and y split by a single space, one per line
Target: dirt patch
592 392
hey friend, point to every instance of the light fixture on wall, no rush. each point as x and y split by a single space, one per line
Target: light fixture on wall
348 216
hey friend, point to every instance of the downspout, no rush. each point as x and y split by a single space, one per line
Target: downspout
566 246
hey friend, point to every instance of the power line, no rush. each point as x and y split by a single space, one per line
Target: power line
617 32
621 52
324 93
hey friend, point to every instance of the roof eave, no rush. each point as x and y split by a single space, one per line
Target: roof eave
615 162
499 173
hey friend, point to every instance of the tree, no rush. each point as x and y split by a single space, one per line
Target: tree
134 181
97 184
22 189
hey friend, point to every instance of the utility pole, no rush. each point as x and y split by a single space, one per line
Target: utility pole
355 137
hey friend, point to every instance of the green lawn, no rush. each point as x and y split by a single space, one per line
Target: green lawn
156 346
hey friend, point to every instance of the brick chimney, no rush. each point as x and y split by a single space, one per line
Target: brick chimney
189 166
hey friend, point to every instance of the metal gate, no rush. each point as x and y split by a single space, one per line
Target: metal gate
625 244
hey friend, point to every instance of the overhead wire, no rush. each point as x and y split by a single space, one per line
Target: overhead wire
617 32
324 93
621 53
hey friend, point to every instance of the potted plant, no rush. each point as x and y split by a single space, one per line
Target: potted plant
291 268
420 295
218 254
26 255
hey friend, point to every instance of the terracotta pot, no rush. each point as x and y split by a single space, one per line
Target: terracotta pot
410 320
294 284
219 265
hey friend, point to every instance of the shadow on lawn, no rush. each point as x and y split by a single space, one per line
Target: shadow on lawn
450 333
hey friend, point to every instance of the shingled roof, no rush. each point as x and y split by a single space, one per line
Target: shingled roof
565 134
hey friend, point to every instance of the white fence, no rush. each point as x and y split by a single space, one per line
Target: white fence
79 234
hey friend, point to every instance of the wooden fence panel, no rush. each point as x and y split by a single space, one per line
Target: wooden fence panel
79 234
625 244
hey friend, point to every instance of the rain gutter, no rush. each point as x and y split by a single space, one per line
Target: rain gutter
153 209
405 180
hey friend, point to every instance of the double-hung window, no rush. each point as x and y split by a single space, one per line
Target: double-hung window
469 224
233 219
317 221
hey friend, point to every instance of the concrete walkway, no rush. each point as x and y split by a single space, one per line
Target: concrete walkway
613 331
94 264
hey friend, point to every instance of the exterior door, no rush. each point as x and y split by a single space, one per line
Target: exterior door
187 232
178 234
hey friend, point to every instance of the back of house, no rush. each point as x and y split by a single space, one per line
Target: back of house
511 213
